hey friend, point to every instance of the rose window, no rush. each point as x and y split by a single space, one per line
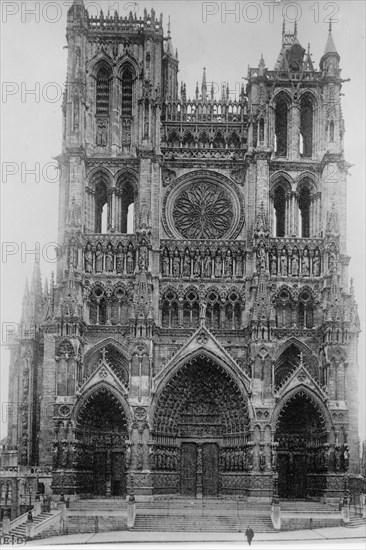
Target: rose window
203 211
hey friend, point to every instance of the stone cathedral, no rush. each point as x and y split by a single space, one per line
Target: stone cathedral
200 337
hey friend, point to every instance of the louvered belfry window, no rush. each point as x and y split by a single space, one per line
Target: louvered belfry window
127 92
103 91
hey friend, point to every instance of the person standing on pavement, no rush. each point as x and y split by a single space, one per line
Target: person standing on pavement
249 533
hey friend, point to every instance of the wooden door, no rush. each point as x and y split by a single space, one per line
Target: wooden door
100 473
118 487
210 469
298 477
283 473
189 469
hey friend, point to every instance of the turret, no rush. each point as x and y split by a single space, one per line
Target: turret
329 63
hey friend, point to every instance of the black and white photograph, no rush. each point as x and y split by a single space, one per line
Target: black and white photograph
183 274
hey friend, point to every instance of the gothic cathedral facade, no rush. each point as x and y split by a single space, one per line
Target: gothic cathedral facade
201 336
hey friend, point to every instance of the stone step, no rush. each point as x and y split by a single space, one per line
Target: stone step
356 521
204 523
21 529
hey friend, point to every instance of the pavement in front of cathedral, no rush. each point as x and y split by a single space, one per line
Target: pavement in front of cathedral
349 538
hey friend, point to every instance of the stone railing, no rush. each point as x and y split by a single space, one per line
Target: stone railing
172 153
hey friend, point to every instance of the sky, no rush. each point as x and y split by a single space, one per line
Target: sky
224 37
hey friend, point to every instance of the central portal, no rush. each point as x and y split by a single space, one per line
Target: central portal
199 473
200 413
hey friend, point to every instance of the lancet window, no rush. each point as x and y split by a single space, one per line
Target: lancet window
306 126
127 91
191 309
281 126
103 91
170 309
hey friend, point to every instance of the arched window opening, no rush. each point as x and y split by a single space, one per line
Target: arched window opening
234 141
131 219
104 219
279 204
174 139
93 315
126 206
284 308
261 130
331 131
306 127
233 312
204 141
103 311
101 208
103 91
219 141
213 311
301 145
281 127
127 85
188 140
305 311
170 310
191 309
304 208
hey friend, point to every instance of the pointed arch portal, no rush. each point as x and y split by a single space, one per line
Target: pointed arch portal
301 435
101 434
199 414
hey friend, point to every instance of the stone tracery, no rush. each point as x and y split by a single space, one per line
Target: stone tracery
202 211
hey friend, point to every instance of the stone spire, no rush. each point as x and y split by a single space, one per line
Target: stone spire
330 46
308 63
169 48
330 58
204 85
25 303
36 283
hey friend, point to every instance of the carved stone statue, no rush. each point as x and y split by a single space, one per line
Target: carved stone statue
143 258
316 263
130 262
207 265
261 257
295 264
165 263
273 263
228 264
99 259
64 454
197 265
239 266
109 258
218 265
186 264
262 461
283 262
176 264
119 259
88 258
305 264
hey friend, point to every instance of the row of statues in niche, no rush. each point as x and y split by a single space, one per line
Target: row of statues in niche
293 264
199 264
165 458
121 259
236 459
